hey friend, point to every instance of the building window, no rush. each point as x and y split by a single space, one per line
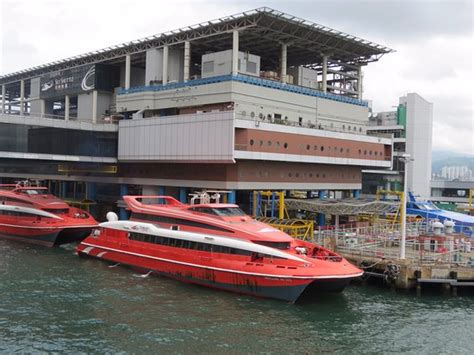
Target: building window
208 67
360 152
297 175
261 143
252 142
300 121
315 147
278 144
251 67
252 114
260 115
341 150
308 147
269 143
285 145
322 148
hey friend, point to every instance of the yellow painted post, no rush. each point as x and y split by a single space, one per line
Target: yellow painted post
254 210
281 206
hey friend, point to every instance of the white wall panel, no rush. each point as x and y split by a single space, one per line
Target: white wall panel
197 137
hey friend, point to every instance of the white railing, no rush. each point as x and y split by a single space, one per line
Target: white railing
100 120
383 241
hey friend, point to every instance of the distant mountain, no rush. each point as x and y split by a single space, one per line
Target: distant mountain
442 158
446 154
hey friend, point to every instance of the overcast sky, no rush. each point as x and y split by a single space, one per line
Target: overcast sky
433 40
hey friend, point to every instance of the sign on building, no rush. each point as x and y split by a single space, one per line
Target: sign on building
79 80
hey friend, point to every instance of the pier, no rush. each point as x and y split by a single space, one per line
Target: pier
432 258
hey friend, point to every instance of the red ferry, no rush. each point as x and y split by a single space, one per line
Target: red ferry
31 214
219 246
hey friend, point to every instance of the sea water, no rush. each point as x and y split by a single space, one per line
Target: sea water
53 301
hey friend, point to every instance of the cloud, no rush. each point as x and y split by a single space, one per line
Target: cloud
433 39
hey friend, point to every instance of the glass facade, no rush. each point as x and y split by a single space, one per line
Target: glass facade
49 140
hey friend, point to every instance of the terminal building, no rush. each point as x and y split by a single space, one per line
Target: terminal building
257 100
411 129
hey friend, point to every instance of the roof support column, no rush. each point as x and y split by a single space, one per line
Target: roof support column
187 60
325 73
94 106
284 48
359 82
22 97
4 92
42 107
128 67
165 64
66 107
235 52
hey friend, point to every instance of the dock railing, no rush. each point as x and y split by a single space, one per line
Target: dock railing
383 241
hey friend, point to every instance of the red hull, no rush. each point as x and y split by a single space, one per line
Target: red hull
45 236
250 278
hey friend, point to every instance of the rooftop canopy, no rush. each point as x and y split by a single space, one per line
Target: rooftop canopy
261 32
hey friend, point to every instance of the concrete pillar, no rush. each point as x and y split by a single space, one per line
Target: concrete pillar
359 82
94 106
64 189
4 92
235 52
322 216
183 195
165 64
91 191
161 190
42 107
123 214
325 73
66 107
283 63
232 197
128 67
22 97
187 60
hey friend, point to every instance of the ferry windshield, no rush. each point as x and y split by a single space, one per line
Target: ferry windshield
426 206
220 211
35 191
228 211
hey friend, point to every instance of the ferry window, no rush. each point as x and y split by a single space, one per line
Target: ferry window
228 211
276 245
206 210
35 192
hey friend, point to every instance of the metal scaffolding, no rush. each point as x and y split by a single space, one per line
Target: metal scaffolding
342 207
261 31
